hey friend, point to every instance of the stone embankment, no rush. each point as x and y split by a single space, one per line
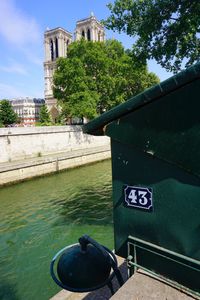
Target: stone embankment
36 151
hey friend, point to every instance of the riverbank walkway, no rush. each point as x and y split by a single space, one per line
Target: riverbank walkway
141 286
19 170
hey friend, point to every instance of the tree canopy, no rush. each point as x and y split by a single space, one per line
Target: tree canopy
7 114
166 30
96 76
44 117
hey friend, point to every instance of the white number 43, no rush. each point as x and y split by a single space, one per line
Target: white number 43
138 197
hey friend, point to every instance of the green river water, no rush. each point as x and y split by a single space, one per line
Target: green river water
41 216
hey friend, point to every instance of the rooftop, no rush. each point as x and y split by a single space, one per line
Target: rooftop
91 17
49 31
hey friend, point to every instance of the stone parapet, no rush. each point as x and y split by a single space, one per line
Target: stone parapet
19 143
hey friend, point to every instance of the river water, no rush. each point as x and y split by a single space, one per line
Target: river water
41 216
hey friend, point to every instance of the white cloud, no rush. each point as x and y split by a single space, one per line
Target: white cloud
9 91
31 56
17 27
20 30
14 67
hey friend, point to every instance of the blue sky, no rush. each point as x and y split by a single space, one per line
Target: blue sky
22 26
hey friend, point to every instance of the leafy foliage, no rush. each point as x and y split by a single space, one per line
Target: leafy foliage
96 76
7 114
165 30
44 117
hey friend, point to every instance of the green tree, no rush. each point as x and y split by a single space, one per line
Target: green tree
96 76
7 114
44 117
166 30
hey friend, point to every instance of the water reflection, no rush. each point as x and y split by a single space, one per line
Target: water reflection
7 291
41 216
90 205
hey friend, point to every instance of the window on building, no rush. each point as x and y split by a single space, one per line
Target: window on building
51 49
67 44
83 34
88 35
56 45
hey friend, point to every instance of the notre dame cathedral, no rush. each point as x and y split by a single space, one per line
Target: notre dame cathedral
56 42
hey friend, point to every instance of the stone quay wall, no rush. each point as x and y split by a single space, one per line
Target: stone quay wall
18 143
36 151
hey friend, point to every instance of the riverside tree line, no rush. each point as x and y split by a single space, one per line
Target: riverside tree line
9 117
107 75
96 76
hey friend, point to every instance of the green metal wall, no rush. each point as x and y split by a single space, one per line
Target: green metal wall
155 139
158 147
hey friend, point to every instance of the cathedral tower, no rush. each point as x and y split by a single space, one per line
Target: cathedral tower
56 42
89 29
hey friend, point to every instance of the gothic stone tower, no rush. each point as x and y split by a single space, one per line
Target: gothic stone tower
56 42
89 29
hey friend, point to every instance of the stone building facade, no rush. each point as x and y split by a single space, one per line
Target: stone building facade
27 109
56 42
90 29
